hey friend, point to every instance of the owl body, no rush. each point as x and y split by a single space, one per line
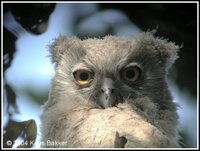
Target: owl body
111 92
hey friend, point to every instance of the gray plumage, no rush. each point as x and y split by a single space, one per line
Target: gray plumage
111 92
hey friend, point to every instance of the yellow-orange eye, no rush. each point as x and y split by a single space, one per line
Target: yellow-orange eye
131 73
83 77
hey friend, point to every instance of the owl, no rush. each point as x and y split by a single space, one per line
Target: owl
111 92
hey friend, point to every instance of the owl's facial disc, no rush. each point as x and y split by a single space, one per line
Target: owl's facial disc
107 92
108 95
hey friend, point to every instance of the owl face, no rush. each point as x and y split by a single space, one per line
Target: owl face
110 70
108 88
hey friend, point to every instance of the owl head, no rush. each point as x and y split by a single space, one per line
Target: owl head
113 69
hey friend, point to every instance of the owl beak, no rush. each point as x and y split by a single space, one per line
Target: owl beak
107 96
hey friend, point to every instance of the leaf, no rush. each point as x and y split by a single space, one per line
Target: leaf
27 130
11 98
120 142
30 133
11 132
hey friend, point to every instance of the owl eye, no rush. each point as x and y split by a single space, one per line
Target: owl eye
131 73
83 77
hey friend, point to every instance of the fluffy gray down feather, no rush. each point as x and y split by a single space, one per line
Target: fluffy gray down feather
69 121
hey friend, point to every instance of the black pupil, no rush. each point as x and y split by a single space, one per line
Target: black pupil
130 74
84 76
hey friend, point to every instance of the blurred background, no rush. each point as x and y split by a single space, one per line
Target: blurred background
28 29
